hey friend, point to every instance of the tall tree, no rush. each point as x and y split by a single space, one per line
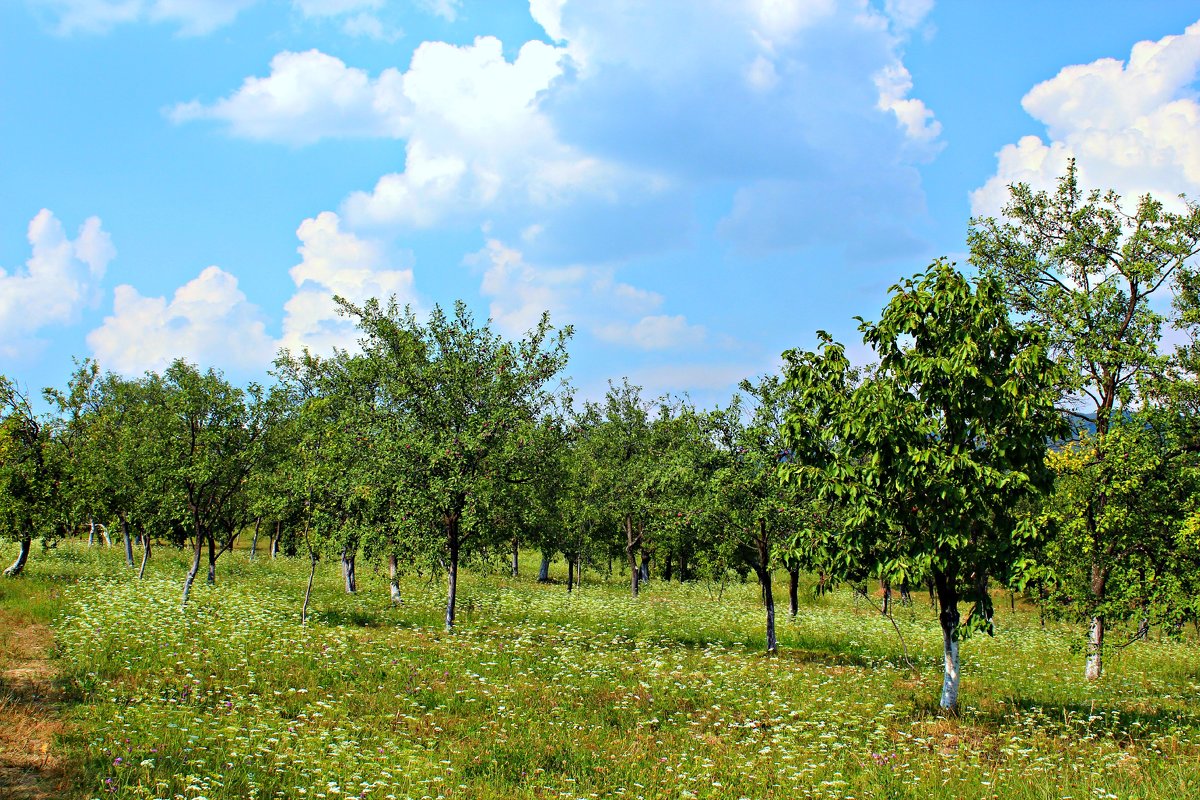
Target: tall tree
935 450
1085 268
464 397
32 474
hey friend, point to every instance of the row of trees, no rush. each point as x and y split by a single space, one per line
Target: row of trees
1022 429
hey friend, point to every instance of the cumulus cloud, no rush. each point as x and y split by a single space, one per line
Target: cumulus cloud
307 97
60 278
587 297
636 111
335 262
207 321
1133 126
192 17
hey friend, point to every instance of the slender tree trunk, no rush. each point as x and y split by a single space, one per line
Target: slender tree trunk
887 597
18 566
947 595
570 574
145 554
683 565
254 539
905 597
644 567
394 579
764 578
212 559
195 569
544 569
348 571
91 531
275 540
1095 648
793 591
128 541
631 554
452 572
308 591
516 558
668 568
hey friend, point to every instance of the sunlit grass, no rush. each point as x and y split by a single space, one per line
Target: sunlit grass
539 693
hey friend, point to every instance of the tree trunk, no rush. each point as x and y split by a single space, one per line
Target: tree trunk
308 592
516 558
275 540
1095 648
644 568
683 565
668 568
18 566
452 572
127 541
145 554
348 571
631 554
195 570
570 574
764 579
104 534
887 597
212 559
393 579
793 591
947 595
254 539
905 597
544 569
91 531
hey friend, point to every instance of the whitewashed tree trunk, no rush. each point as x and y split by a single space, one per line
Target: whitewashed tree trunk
1095 652
145 554
191 575
91 531
254 541
308 591
348 571
128 542
946 584
950 677
544 569
394 580
18 566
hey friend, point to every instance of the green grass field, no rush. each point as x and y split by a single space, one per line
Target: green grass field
543 694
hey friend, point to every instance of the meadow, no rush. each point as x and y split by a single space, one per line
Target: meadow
541 693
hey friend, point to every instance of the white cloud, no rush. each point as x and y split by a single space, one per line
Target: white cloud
193 17
478 140
307 97
587 297
334 262
208 321
657 332
894 83
1133 126
446 9
60 278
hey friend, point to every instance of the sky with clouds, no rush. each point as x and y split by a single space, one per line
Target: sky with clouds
694 185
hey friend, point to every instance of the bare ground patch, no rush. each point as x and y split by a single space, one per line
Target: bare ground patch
30 718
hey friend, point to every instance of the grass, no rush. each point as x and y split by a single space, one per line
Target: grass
543 694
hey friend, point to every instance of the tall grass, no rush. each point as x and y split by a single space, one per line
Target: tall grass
541 693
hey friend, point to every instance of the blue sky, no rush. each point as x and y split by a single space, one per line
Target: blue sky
695 185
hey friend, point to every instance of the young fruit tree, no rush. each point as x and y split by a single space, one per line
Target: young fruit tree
1085 268
933 451
462 399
